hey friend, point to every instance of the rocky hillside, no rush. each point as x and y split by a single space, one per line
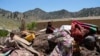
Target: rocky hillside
38 13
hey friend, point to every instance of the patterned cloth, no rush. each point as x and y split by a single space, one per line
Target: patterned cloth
64 47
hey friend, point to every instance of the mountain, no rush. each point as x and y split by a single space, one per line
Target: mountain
38 13
88 12
5 13
10 15
60 14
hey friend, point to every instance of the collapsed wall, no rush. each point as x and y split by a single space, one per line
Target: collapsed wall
41 25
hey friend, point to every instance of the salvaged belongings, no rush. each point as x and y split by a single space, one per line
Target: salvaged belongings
64 46
21 52
63 41
17 38
28 36
6 53
29 48
90 42
23 43
65 27
79 30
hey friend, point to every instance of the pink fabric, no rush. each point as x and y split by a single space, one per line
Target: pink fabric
64 33
64 48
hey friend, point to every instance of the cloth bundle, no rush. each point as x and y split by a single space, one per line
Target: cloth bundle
79 30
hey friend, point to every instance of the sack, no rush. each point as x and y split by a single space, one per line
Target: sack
77 32
30 37
91 27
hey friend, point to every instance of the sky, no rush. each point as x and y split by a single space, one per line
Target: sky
48 5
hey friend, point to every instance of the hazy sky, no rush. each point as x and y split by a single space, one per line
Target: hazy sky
48 5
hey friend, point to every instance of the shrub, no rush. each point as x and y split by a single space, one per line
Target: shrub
3 33
31 25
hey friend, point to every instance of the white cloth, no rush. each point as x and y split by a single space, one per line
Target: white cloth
65 27
50 36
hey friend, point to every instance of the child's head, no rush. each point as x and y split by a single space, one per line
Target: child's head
12 34
49 24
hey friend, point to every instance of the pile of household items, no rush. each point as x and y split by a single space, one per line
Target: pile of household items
77 39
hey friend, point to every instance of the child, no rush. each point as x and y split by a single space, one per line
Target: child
49 28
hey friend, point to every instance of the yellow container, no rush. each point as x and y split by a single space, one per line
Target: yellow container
30 37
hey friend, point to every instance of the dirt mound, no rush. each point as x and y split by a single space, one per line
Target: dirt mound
41 43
